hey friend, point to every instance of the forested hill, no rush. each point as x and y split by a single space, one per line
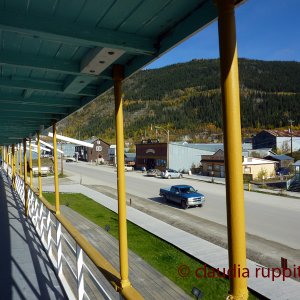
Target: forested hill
186 99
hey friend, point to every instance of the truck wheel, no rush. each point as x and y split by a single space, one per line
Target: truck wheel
165 198
183 204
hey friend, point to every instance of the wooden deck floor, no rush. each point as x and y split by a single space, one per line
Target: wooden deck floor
25 270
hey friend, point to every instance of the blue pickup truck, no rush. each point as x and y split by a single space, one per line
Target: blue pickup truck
185 195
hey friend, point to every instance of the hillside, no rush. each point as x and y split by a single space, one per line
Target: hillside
186 99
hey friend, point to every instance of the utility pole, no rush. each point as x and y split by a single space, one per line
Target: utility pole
291 132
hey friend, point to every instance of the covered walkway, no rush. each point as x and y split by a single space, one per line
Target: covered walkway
25 270
58 57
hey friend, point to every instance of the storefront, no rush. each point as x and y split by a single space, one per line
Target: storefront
151 154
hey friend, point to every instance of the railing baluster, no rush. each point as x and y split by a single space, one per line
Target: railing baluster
40 220
80 277
40 214
58 244
49 233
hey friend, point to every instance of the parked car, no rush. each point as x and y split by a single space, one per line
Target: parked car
185 195
153 172
70 159
44 171
169 173
128 168
283 171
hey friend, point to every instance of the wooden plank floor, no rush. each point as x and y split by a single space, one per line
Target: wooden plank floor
149 282
25 270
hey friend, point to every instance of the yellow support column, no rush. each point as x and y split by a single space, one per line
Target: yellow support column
6 154
20 158
232 147
39 165
9 156
30 164
123 244
13 166
57 208
3 154
25 178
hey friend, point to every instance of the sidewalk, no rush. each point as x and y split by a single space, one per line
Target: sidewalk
204 251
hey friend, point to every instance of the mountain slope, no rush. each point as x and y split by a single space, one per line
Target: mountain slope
186 99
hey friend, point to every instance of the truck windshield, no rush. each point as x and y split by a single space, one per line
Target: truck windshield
187 190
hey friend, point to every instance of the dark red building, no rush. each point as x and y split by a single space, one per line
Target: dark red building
151 154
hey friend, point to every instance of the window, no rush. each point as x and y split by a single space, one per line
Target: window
247 170
98 148
217 167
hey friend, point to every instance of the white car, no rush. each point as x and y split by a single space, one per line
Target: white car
70 159
128 168
169 173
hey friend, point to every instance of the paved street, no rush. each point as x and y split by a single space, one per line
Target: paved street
270 217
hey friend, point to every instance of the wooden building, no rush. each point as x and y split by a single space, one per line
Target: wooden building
151 154
213 165
100 151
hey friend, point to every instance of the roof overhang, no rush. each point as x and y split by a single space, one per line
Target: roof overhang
57 56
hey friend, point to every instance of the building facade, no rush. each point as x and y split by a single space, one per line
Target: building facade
282 141
255 167
213 165
178 156
151 154
100 151
283 161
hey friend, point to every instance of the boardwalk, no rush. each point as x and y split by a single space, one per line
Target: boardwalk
25 271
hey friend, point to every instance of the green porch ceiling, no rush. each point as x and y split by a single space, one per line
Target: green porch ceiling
57 55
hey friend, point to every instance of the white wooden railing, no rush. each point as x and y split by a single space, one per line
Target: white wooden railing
71 257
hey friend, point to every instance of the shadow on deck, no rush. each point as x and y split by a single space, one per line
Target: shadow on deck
25 271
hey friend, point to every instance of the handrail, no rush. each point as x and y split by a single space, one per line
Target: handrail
104 266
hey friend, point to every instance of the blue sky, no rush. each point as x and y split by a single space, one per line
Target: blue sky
266 30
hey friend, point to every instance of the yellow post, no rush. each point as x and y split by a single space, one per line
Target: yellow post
57 208
39 165
232 147
6 154
13 166
20 157
123 244
30 164
25 178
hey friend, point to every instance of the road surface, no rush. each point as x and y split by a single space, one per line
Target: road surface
270 217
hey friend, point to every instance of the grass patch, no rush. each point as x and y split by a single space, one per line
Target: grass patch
163 256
